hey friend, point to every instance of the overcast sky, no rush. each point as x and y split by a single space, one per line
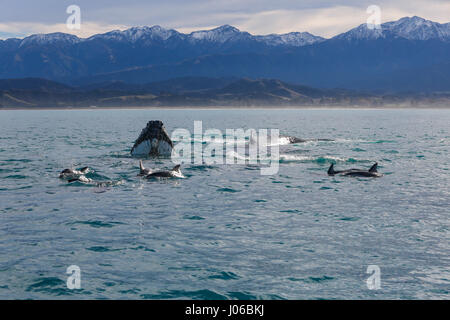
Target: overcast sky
19 18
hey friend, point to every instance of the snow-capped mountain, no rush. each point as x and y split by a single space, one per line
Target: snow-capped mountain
146 35
359 58
295 39
417 28
136 34
219 35
411 28
50 38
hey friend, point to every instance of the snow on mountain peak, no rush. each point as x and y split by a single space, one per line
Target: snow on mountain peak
416 28
296 39
50 38
411 28
136 34
220 34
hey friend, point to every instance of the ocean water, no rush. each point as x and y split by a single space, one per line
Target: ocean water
226 231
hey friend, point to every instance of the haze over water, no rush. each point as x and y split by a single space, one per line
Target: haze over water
226 231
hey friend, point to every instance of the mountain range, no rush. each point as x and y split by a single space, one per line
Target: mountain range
408 55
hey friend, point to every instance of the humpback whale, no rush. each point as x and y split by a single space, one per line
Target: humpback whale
290 139
69 174
174 173
372 172
153 141
299 140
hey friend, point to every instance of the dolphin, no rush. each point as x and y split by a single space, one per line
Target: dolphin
81 178
372 172
143 171
153 141
174 173
73 174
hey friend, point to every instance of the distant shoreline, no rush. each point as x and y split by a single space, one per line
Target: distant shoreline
229 107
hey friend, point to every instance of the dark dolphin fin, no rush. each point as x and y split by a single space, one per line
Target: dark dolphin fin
331 169
176 168
84 169
374 167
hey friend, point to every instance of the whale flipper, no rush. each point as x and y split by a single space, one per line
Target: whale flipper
176 168
374 167
153 141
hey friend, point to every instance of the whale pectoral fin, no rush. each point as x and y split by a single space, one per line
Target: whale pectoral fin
331 169
374 167
141 166
176 168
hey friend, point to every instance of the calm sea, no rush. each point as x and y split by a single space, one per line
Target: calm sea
226 231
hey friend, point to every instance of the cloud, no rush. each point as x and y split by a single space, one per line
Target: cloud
22 29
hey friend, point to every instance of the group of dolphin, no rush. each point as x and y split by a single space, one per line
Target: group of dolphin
154 141
73 175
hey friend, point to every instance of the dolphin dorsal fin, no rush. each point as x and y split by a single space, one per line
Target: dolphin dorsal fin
176 168
374 167
84 169
331 169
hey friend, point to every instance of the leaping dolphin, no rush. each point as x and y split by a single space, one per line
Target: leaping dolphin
372 172
153 141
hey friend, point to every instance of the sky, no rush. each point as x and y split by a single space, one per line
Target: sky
20 18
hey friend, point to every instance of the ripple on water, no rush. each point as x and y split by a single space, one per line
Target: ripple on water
102 249
229 190
182 294
53 286
224 276
96 223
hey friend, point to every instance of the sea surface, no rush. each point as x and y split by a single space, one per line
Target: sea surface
226 231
